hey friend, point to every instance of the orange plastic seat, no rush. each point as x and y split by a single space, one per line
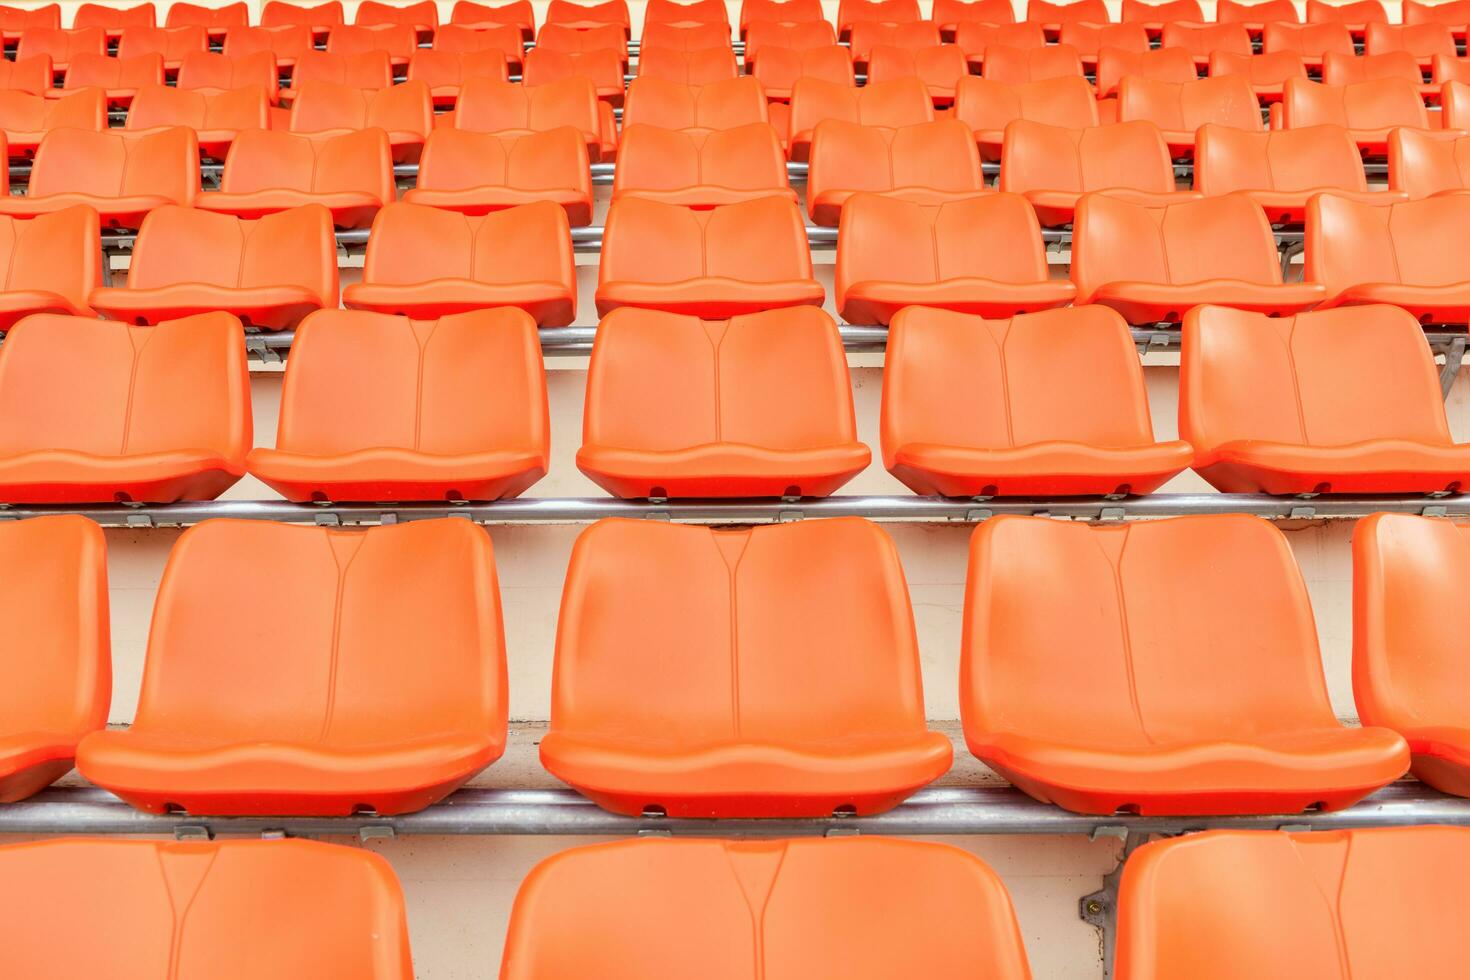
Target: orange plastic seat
1356 15
212 73
422 16
1282 169
1422 164
688 67
1267 73
940 68
717 263
975 39
950 14
1403 254
1172 65
1157 17
33 76
268 171
1256 14
603 67
445 72
383 408
1052 16
663 36
1341 69
928 163
1422 41
152 908
913 34
121 175
680 407
900 102
405 112
566 39
489 106
695 108
216 118
1311 41
269 272
982 254
52 262
365 726
589 16
700 169
987 107
750 716
1017 66
476 173
400 41
369 70
852 12
1204 40
1180 109
287 43
780 68
516 13
114 19
1169 668
1369 111
1456 13
466 39
940 912
1042 404
1154 264
753 12
55 651
425 263
60 45
170 43
1333 905
1455 106
686 13
319 18
119 78
218 19
793 36
94 412
1090 39
1053 167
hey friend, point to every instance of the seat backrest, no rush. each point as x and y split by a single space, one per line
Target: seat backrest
976 39
374 13
460 159
579 40
688 67
679 12
937 155
289 41
1257 12
398 40
947 12
1167 12
780 68
753 12
225 15
60 253
1353 12
1159 631
454 68
221 72
1089 39
1343 69
1260 69
1203 40
588 16
1349 243
265 159
505 38
1419 40
1228 160
908 34
757 241
1456 13
799 36
983 104
1381 103
114 19
1422 164
22 112
1039 157
370 69
325 106
1173 65
171 42
13 19
852 12
1046 12
32 75
320 16
1186 106
1455 105
489 106
939 67
411 243
1308 40
164 105
897 102
164 163
1017 66
518 13
105 72
668 160
673 37
60 44
718 105
602 66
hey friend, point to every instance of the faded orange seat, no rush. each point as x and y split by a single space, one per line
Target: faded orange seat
975 39
567 39
700 169
1017 66
60 45
868 34
981 254
287 43
405 112
1403 254
1267 73
900 102
213 73
1422 41
793 36
516 13
270 273
850 13
119 78
476 173
695 108
114 19
445 72
14 21
1369 111
1169 668
987 107
400 41
1172 65
425 263
121 175
753 12
423 16
383 408
320 17
1332 905
1455 13
688 67
1180 109
680 13
1311 41
928 163
1341 69
578 16
722 262
1090 39
216 118
1042 404
939 67
93 411
665 36
1356 15
780 68
287 907
169 43
949 14
1455 103
217 19
682 407
489 106
1053 16
1256 14
466 39
1362 414
268 171
941 913
56 656
604 68
317 711
1053 167
52 262
741 711
1158 17
33 75
1202 41
369 70
1422 164
1283 169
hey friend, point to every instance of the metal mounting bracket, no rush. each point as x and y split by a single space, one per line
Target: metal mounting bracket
1454 357
1100 909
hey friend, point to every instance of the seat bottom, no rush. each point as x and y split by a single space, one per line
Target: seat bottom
1374 466
875 302
31 761
550 304
1149 302
1429 304
57 476
723 470
711 298
390 475
1041 470
268 307
1441 757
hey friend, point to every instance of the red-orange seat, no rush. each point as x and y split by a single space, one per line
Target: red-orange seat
566 39
663 36
981 254
489 106
316 710
750 715
1422 164
753 12
950 14
1042 404
1356 15
717 263
55 651
287 44
1456 13
1017 66
1282 169
867 34
426 263
940 913
1363 413
400 41
369 70
270 272
52 263
319 18
1052 16
900 102
516 13
602 67
1329 904
1169 668
1173 65
94 411
852 12
114 19
216 118
217 19
170 43
688 67
1256 14
33 75
695 108
213 73
975 39
1090 39
1180 109
1153 264
445 72
1053 167
465 39
1404 254
928 163
1342 69
1423 41
383 408
423 16
60 45
686 13
589 16
119 78
120 175
781 68
940 68
476 173
987 107
700 169
1157 16
1455 106
1267 73
1204 40
793 36
681 407
268 171
1369 111
405 112
150 908
1311 41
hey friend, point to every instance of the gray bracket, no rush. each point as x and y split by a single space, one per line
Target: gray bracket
193 832
1454 356
375 831
1100 909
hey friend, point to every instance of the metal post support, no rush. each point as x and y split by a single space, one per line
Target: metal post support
1100 909
1454 358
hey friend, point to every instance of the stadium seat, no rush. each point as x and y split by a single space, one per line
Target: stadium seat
1157 16
212 73
940 913
1450 70
268 171
1282 169
1423 164
1256 14
1402 254
215 118
170 43
1267 73
750 714
15 21
445 72
901 102
940 68
695 108
51 262
32 76
423 16
688 67
97 412
795 36
1052 16
425 263
1090 39
987 107
680 13
603 67
927 163
1172 65
314 710
1185 680
700 170
780 68
976 39
1311 41
287 44
371 411
25 119
1363 413
950 14
1053 167
1422 41
400 41
462 39
672 37
912 34
476 173
119 78
1455 106
120 175
286 907
1456 13
781 11
1329 904
1369 111
405 112
114 19
1043 404
681 407
580 41
516 13
579 16
852 12
1154 264
60 45
1204 40
1180 109
55 647
714 264
1356 15
218 20
981 254
1017 66
489 106
270 273
319 18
